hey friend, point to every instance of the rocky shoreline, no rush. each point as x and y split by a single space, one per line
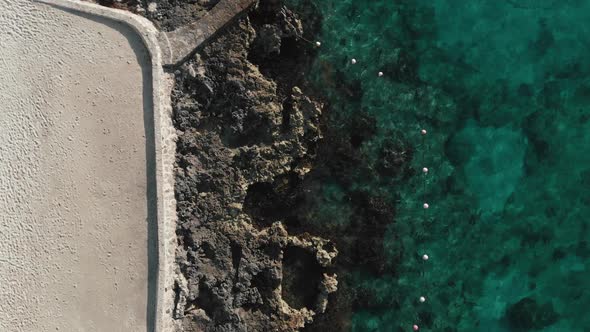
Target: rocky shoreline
303 175
255 145
245 127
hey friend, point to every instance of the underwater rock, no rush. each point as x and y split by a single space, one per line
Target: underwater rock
527 314
394 160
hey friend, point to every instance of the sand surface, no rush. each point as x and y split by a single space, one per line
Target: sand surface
77 203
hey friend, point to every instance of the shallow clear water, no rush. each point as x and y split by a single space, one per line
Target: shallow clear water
503 89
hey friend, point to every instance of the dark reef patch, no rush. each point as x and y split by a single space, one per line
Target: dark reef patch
527 315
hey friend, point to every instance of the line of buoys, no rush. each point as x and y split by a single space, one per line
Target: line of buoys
425 170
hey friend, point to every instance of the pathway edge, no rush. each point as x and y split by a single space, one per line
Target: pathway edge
165 149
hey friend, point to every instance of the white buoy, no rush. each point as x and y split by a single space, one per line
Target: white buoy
422 299
416 327
423 131
425 170
353 61
318 44
426 206
425 257
380 74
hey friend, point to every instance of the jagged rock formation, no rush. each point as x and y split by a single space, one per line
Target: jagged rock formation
242 127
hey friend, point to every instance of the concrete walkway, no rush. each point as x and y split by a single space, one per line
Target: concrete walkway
179 44
85 174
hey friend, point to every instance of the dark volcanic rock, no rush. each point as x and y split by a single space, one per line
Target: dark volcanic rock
246 132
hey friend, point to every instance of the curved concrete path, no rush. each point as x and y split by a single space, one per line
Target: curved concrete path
86 154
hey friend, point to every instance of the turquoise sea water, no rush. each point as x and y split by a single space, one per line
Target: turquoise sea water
503 89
